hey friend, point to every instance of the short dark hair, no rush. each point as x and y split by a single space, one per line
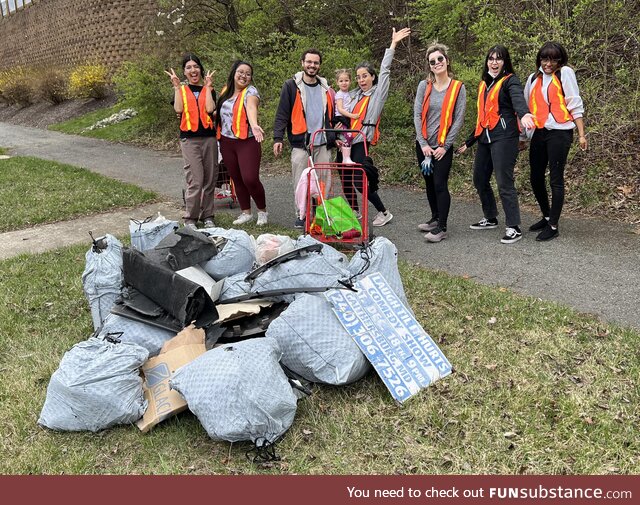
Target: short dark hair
311 50
187 57
553 50
501 52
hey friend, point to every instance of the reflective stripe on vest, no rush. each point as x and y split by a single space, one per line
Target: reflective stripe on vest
448 106
488 107
360 108
240 124
194 111
554 105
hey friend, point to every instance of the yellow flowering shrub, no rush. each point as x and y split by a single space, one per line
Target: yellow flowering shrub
90 80
17 86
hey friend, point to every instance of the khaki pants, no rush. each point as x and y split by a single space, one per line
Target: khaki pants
300 161
200 156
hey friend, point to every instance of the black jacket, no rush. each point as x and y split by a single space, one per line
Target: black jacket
283 117
512 105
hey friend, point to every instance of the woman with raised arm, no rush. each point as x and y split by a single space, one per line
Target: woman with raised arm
554 100
369 98
194 103
501 106
438 115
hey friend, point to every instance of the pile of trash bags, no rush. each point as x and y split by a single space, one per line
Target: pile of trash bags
234 328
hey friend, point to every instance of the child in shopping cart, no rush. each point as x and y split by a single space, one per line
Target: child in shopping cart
343 115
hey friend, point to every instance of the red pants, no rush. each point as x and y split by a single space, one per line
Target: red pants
242 159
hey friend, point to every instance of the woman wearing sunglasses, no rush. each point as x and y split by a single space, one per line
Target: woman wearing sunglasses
500 104
438 115
554 100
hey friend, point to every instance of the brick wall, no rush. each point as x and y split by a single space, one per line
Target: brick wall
70 32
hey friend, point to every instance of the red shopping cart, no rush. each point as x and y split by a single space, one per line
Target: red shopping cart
335 212
224 192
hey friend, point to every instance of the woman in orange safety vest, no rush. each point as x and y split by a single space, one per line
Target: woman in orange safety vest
438 115
554 100
194 103
501 109
240 138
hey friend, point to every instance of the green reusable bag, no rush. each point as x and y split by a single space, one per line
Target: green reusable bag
341 217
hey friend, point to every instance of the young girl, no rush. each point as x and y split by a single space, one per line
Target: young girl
344 104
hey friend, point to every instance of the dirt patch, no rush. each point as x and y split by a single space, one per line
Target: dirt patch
43 114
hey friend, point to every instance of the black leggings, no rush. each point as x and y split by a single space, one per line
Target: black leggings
437 185
352 180
549 147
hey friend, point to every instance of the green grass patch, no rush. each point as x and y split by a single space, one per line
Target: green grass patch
538 389
35 191
3 150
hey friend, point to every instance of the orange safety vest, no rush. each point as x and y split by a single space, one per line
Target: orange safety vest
239 120
555 105
194 111
488 108
448 105
361 109
298 119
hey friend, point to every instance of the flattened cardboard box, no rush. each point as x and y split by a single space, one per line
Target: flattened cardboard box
163 401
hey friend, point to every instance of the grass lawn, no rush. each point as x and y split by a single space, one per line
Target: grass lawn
35 191
538 389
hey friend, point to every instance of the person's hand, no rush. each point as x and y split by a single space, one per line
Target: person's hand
277 149
522 145
584 145
175 80
439 153
527 122
398 36
208 79
461 149
258 134
427 151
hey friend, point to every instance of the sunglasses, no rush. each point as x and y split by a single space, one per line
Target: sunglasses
434 62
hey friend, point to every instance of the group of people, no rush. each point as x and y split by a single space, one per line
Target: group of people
544 113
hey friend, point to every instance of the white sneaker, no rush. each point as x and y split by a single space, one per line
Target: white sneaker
382 218
243 218
209 223
262 218
191 226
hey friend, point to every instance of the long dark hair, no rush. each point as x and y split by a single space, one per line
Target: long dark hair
230 86
187 57
501 52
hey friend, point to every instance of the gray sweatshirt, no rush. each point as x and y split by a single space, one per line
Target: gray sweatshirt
434 114
378 94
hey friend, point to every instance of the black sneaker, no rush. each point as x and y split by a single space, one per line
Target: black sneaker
512 234
547 234
485 224
540 225
299 223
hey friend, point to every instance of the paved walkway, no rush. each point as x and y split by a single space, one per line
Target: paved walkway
592 267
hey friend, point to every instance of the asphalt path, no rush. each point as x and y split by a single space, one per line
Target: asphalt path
593 266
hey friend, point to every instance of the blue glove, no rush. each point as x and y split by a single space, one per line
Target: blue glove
426 166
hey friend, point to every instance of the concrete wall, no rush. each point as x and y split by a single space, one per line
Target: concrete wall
71 32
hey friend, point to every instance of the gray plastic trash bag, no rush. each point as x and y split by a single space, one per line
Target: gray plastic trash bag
382 256
314 343
147 233
239 391
237 255
102 278
97 385
127 330
330 253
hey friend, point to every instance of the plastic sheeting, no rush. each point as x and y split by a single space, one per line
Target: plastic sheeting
239 391
314 343
97 385
102 278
